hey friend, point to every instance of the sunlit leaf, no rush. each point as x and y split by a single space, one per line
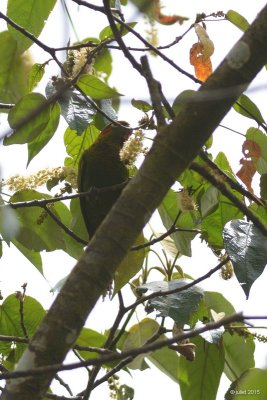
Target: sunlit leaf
247 108
107 32
31 15
95 88
36 73
237 19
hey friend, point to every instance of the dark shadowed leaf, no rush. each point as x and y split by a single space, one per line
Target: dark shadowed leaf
178 306
246 246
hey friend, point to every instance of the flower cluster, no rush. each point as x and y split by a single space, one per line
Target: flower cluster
132 148
19 182
79 60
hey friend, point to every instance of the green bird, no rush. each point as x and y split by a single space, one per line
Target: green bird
100 166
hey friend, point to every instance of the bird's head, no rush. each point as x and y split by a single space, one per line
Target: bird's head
117 133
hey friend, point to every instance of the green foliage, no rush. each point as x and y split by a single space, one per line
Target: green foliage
193 207
209 361
246 107
13 70
238 20
95 88
30 15
179 306
11 325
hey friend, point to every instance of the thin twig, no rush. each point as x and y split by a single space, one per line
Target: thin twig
237 317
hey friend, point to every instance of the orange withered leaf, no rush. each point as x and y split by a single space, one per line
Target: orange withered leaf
200 54
252 153
166 19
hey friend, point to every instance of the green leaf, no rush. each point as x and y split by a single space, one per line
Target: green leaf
167 361
246 246
141 105
77 224
37 144
33 256
36 73
37 125
246 107
37 233
31 15
200 379
168 210
178 306
263 186
239 354
13 70
90 338
129 267
209 201
212 225
107 32
137 336
257 136
9 225
252 383
103 63
95 88
238 20
10 321
181 100
77 144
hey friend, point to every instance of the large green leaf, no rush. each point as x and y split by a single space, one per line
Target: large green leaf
239 354
39 142
179 306
169 210
11 324
90 338
13 70
167 361
43 124
95 88
212 225
238 350
246 246
33 256
246 107
251 384
200 379
37 233
137 336
31 15
77 144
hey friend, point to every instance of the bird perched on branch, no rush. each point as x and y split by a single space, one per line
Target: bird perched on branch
100 166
